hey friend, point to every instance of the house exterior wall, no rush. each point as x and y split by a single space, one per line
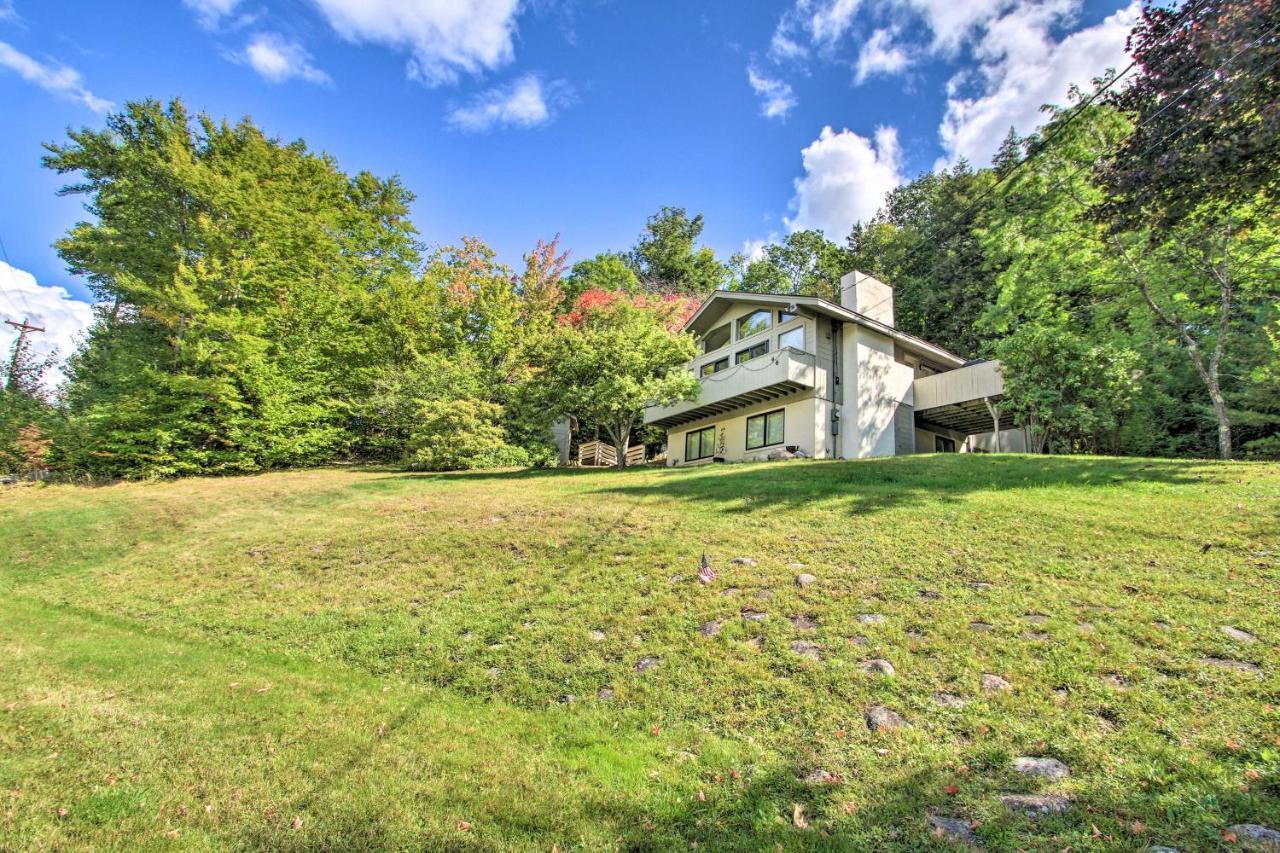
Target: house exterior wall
800 414
875 386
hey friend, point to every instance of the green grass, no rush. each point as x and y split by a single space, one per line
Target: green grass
352 658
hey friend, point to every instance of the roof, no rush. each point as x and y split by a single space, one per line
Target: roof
830 309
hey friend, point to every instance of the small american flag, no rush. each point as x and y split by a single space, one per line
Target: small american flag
706 574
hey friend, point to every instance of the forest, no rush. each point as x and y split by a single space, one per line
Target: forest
260 308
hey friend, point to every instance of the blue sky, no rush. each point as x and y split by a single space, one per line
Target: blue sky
515 120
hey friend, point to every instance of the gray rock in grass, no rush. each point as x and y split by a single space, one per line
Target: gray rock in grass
871 619
1237 634
743 561
948 700
806 579
995 684
952 829
877 666
709 629
880 718
1049 769
1255 836
1234 665
806 649
646 664
754 616
1036 805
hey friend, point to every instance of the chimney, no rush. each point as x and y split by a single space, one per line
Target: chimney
868 296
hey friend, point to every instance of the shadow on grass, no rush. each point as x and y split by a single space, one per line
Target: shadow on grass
875 485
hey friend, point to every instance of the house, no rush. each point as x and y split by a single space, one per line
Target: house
786 374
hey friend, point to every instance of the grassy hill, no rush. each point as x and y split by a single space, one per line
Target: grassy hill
358 658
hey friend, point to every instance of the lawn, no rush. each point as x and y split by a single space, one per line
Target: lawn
356 658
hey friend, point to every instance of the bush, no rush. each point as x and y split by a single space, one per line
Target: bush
455 435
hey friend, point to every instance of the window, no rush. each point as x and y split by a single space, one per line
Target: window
764 430
753 323
700 444
715 366
756 351
943 445
786 317
793 338
715 338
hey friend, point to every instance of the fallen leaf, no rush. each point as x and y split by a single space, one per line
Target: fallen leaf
798 817
655 731
850 807
464 826
1229 837
702 797
1251 774
951 790
1137 827
297 822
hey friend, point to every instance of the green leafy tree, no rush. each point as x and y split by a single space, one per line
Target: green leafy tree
608 271
459 434
925 242
612 358
668 259
804 263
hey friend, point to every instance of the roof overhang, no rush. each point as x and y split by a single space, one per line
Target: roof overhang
702 318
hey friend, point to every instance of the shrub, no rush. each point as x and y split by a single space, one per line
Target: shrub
455 435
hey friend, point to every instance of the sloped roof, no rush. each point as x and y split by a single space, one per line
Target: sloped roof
702 318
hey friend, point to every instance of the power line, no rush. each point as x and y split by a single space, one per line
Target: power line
1042 145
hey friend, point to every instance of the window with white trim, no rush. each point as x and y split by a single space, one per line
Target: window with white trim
793 338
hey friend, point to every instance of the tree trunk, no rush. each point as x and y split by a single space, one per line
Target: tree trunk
621 441
1224 421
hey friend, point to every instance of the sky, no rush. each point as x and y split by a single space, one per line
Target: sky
517 120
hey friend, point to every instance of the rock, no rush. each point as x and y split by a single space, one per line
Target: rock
877 666
1117 681
1035 636
730 591
995 684
1237 634
1160 848
1254 836
8 480
1085 628
765 595
795 565
780 453
952 829
604 694
646 664
871 619
807 649
858 641
1036 618
806 579
1049 769
931 594
982 627
979 585
597 636
567 699
709 629
754 616
818 777
755 643
880 718
948 700
743 561
1036 805
494 672
804 623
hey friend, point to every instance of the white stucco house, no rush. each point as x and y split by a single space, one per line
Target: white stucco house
804 375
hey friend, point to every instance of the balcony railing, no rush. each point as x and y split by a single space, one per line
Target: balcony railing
764 378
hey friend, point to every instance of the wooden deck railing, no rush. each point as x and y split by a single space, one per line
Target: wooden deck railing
600 454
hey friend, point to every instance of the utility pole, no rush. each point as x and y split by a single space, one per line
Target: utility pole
24 328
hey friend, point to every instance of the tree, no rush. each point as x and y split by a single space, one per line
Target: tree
1196 186
612 356
26 416
667 259
607 271
241 277
460 434
1206 109
804 263
925 243
1066 390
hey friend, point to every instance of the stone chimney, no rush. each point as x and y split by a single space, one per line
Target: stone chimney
868 296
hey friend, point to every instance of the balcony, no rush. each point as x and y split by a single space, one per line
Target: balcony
768 377
957 399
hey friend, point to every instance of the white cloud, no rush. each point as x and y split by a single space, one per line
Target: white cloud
525 102
443 37
64 319
7 12
846 177
211 13
1022 68
777 99
58 79
879 55
277 59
